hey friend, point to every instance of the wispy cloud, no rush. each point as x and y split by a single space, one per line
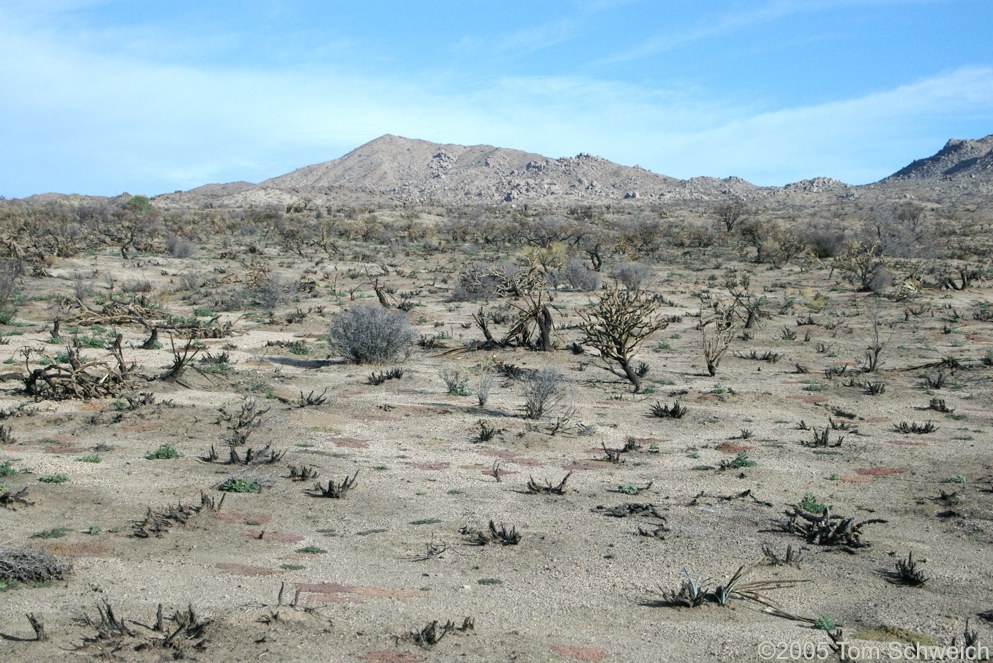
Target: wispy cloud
736 21
721 24
519 42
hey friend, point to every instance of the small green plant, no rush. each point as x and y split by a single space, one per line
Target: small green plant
164 452
653 448
628 489
311 550
834 477
54 478
810 504
813 387
825 623
240 485
456 381
958 478
55 533
90 458
299 348
92 530
740 461
7 469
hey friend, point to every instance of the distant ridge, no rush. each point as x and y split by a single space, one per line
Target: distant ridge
405 170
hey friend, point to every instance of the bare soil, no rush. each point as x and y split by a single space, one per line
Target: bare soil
286 574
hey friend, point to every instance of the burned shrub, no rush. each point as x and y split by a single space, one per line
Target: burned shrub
476 282
29 566
826 529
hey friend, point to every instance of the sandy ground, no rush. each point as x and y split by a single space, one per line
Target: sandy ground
581 585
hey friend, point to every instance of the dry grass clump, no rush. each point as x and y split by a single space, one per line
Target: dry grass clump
542 391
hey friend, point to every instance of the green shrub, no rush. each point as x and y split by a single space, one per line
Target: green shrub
54 478
55 533
164 452
810 504
240 485
741 460
7 469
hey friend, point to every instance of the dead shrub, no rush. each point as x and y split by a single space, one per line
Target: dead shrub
370 334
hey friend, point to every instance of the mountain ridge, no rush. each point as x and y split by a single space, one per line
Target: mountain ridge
408 170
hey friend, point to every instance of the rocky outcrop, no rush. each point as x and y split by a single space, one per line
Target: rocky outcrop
956 160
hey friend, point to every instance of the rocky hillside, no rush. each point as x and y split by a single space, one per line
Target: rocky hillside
417 171
958 159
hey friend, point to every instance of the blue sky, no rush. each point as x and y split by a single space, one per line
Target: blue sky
146 96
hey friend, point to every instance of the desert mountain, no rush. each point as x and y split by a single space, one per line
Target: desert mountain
410 170
392 168
417 170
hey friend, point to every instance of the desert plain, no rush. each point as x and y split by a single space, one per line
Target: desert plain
193 467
